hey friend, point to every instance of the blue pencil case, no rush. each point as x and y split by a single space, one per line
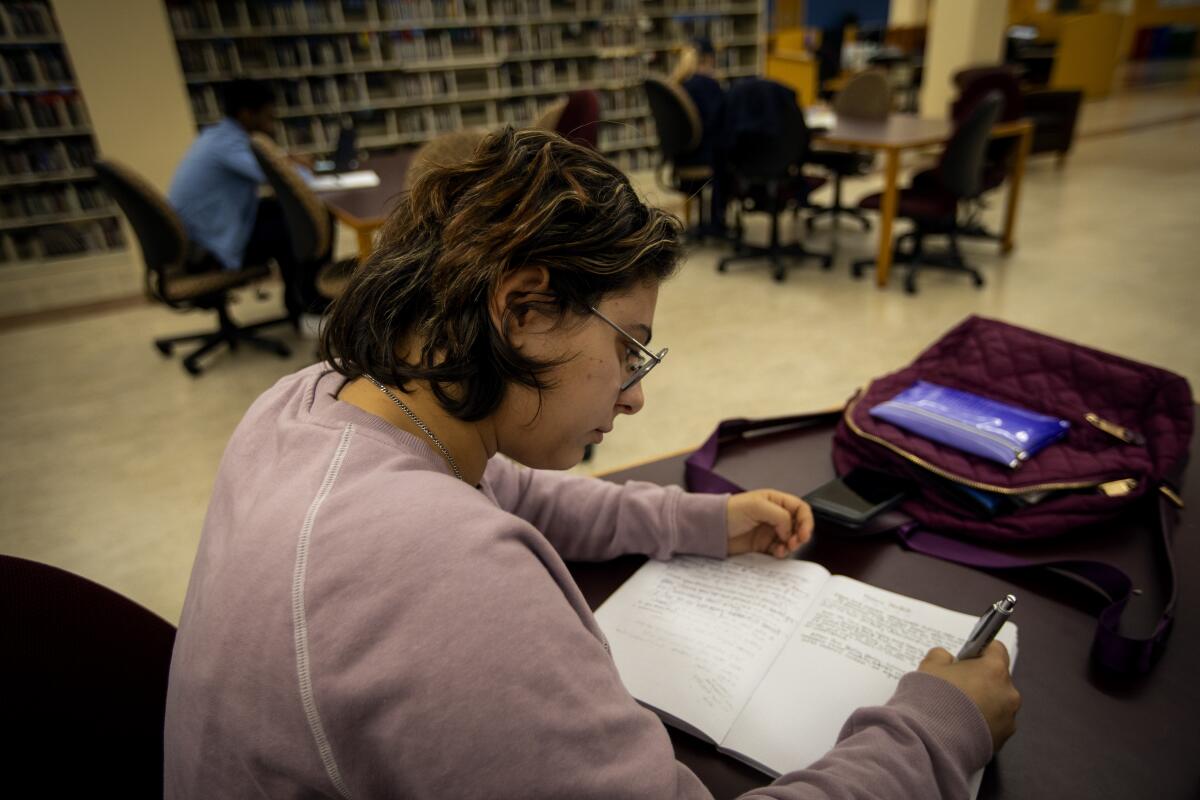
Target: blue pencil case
988 428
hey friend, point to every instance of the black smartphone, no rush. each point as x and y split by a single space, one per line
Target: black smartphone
856 497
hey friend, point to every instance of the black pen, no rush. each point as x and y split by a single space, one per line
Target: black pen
988 626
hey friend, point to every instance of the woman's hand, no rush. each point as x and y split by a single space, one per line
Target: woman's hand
987 681
767 521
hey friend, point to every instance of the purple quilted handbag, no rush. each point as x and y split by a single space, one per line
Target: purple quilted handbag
1131 425
1130 428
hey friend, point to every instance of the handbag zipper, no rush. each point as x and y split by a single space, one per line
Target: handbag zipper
1170 494
1018 453
1114 430
1114 488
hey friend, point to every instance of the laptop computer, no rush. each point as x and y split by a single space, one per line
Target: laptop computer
345 154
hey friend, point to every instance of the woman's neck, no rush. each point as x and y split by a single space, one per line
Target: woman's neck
467 442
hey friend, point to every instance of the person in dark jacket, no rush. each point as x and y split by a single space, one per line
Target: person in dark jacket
697 75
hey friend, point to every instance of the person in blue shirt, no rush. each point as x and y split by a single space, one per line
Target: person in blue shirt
215 192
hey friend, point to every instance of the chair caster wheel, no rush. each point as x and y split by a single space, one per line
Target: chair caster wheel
910 286
826 262
166 348
978 282
779 276
282 350
193 369
721 267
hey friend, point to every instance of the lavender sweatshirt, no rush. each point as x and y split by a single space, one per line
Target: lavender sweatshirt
361 624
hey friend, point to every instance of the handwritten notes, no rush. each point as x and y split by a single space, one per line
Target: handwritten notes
872 631
768 658
720 616
708 628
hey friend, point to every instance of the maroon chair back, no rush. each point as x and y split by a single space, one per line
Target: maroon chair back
580 120
84 682
976 83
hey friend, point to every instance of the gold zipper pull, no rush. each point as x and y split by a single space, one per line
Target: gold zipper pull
1118 488
1113 429
1170 494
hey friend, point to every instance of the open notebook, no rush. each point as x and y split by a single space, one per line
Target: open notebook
767 658
359 179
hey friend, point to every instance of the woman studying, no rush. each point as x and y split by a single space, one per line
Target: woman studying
379 606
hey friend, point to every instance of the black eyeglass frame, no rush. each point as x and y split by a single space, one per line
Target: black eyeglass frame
643 369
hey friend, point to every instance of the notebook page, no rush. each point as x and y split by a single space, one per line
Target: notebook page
692 637
850 650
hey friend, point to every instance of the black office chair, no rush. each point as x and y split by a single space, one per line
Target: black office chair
973 84
181 275
84 683
765 169
310 227
932 203
867 96
677 122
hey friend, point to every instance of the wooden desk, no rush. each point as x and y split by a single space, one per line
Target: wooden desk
365 210
1080 734
902 132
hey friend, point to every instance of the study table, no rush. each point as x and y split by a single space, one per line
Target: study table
366 209
1080 733
900 132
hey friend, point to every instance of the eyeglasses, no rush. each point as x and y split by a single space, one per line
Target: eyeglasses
644 364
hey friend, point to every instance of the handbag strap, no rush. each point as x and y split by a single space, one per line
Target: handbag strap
1111 648
699 470
1116 651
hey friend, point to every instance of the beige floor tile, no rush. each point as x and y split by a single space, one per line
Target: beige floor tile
110 450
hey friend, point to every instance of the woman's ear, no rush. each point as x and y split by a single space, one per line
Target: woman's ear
509 305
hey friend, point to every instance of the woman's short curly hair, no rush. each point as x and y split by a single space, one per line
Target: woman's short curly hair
525 198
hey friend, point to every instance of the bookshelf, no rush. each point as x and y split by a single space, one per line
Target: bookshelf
403 71
51 205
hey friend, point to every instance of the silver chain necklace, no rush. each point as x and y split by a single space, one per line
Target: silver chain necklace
417 421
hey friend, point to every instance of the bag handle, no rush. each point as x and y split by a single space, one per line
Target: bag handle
1114 650
699 470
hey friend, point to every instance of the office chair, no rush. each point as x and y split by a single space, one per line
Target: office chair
766 143
575 117
867 96
84 684
975 83
180 274
932 203
310 227
677 122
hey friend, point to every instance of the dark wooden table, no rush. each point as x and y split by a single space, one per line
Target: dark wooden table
1081 734
900 132
365 210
